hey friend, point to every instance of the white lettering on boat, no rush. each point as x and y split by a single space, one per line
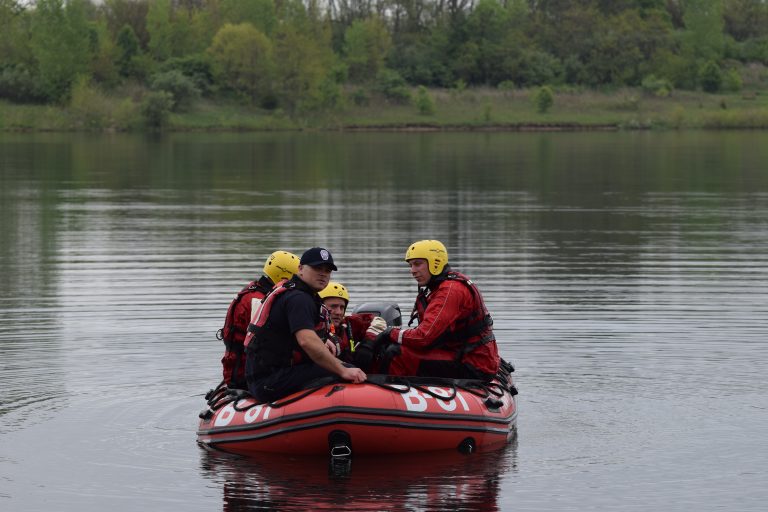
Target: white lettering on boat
450 405
414 401
252 414
463 402
224 416
417 401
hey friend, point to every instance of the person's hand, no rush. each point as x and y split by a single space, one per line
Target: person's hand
353 374
332 348
378 325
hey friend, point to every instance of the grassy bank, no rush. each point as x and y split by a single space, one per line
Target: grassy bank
471 109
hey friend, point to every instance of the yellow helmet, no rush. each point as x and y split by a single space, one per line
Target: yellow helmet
334 290
281 265
431 250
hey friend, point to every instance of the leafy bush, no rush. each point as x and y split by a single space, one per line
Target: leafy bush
681 72
128 50
506 85
339 72
655 86
366 45
422 61
89 106
574 71
710 77
487 112
536 68
754 75
197 67
330 94
242 59
393 86
755 50
424 102
127 115
18 84
91 109
677 118
360 97
269 101
156 109
544 99
181 88
732 81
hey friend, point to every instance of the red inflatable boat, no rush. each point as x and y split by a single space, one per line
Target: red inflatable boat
383 415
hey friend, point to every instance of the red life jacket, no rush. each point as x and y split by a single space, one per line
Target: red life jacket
467 334
264 347
340 338
234 331
349 334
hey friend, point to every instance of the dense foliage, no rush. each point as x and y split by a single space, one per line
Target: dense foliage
299 55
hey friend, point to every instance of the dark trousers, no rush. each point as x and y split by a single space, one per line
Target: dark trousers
285 381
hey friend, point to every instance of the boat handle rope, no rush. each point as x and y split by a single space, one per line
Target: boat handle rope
407 387
218 389
274 405
478 388
391 384
221 395
471 387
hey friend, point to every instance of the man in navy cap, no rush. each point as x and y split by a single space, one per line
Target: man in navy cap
285 346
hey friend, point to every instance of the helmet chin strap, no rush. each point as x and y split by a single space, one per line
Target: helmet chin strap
441 275
414 313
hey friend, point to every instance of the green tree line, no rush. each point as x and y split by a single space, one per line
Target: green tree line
307 55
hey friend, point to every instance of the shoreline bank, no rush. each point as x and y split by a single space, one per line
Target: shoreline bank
473 110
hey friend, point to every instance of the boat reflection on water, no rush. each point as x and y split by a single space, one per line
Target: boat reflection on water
424 481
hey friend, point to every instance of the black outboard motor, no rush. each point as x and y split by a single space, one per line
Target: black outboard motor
389 311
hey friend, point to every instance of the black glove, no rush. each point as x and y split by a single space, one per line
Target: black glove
388 352
367 351
381 340
363 355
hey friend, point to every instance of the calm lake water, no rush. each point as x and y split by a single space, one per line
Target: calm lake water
627 274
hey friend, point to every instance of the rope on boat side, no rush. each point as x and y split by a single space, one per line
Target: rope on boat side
222 395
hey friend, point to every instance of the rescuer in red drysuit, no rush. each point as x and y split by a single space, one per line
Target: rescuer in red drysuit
346 330
280 266
454 337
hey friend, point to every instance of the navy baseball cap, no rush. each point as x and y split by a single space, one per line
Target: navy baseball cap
316 257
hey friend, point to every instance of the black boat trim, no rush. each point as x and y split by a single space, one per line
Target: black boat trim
364 411
352 421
